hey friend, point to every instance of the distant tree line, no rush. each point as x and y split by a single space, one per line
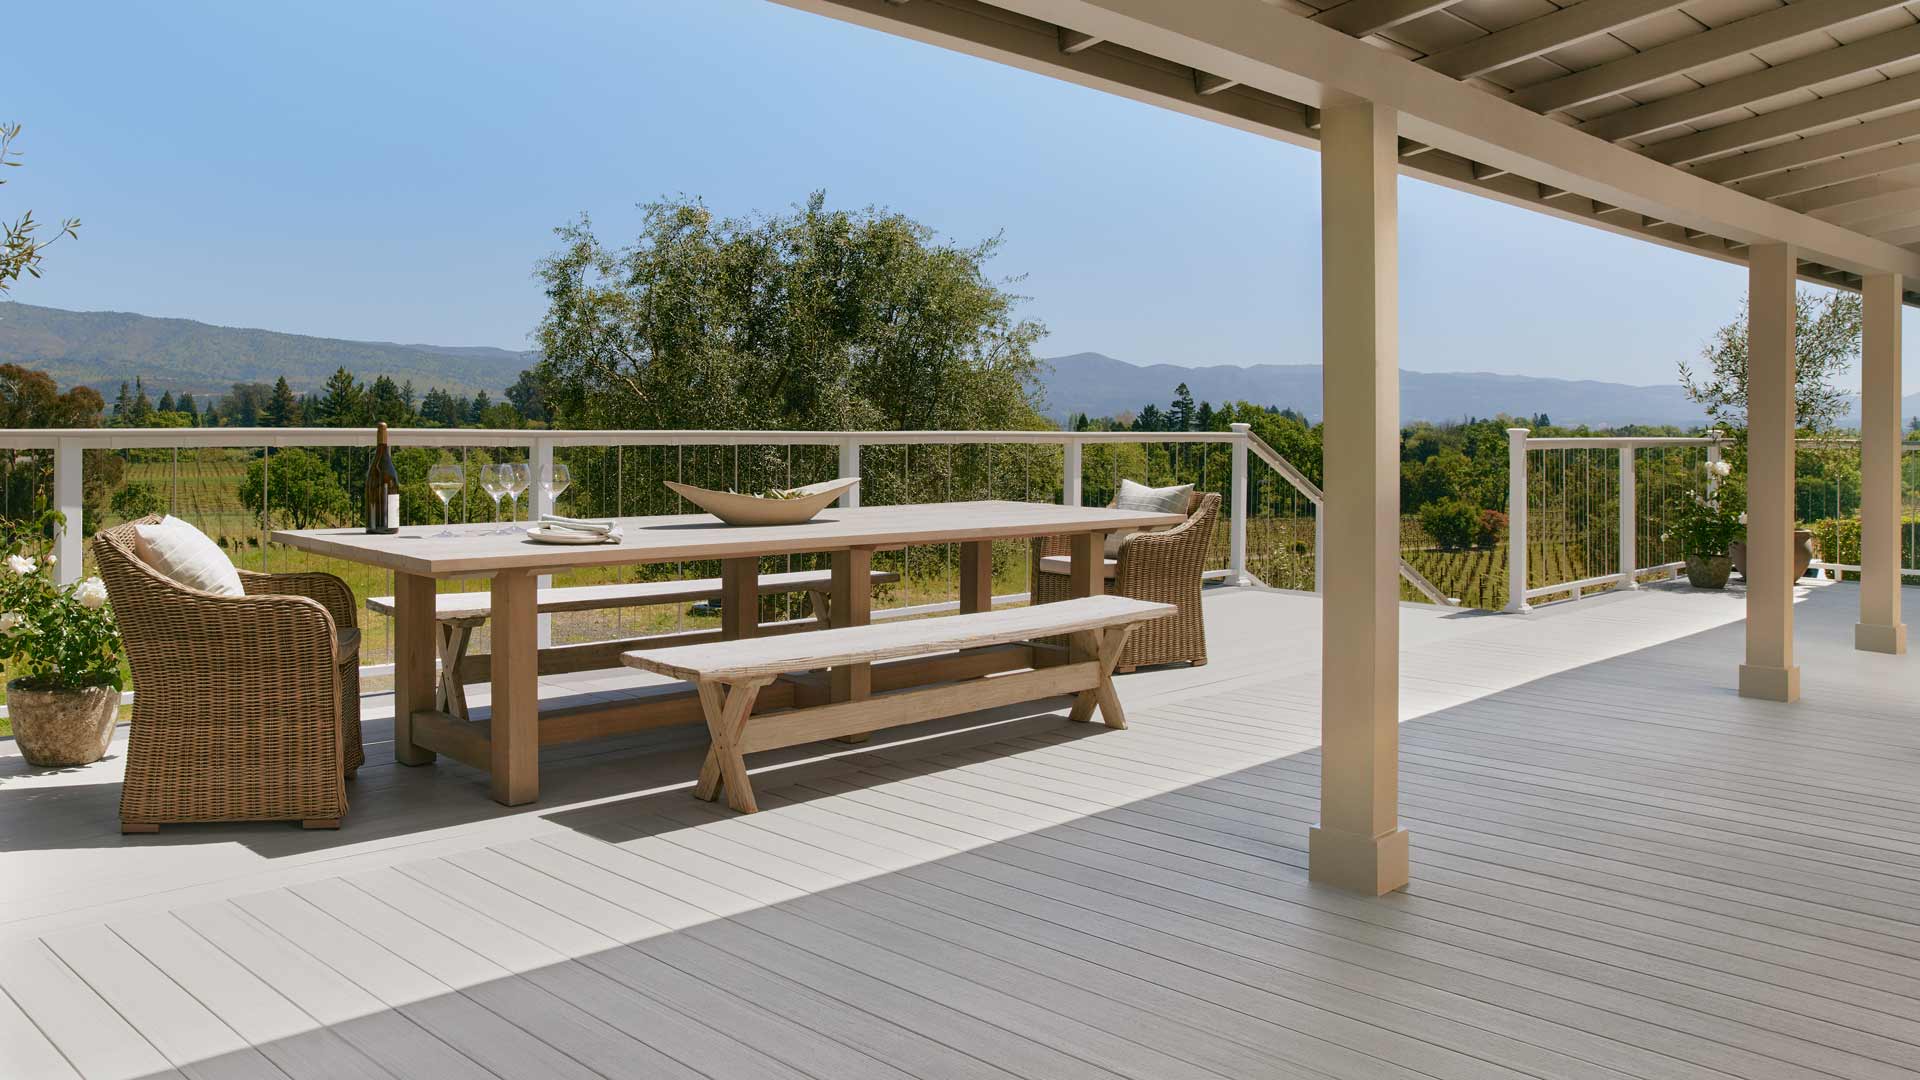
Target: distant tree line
344 401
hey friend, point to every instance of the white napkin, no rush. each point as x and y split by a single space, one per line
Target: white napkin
602 526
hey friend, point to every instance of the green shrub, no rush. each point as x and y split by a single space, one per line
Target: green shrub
1452 523
1837 540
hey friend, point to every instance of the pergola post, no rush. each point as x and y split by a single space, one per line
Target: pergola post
1880 628
1769 672
1358 843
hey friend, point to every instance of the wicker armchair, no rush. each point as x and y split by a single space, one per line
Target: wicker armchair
248 707
1161 566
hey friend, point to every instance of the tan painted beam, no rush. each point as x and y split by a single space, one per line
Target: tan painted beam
1207 85
1884 49
1815 148
1524 41
1792 120
1852 191
1073 41
1698 50
1363 17
1852 214
1287 66
1856 166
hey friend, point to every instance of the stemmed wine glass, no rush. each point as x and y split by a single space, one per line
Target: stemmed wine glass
555 479
516 478
493 481
444 480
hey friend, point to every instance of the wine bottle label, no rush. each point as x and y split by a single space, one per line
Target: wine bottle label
393 510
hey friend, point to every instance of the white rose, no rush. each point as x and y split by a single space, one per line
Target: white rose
1722 468
1743 519
52 558
91 593
20 564
10 620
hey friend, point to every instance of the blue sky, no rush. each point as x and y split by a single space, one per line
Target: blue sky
393 171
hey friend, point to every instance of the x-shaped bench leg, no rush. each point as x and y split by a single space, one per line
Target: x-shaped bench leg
453 638
727 711
1103 646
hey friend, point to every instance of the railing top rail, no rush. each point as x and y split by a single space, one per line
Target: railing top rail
161 438
1285 468
1637 442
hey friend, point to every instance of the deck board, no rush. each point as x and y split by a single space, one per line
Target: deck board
1620 869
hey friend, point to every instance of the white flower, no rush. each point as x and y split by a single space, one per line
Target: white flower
20 564
1743 519
1721 468
9 621
52 559
91 593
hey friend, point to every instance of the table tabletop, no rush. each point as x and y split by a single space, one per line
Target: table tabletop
685 537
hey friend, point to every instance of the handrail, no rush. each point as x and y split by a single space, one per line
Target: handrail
1426 588
234 437
1286 468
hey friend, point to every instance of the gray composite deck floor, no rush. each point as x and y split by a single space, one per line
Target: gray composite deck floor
1620 870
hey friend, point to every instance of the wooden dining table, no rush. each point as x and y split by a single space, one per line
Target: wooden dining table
506 744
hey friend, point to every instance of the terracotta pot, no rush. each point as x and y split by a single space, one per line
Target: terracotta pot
62 727
1802 554
1708 571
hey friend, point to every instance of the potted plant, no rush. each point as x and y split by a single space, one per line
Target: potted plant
62 652
1707 527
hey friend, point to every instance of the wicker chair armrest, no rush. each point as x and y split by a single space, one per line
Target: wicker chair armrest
1052 545
1195 533
331 592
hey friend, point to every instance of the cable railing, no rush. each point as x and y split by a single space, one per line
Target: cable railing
240 484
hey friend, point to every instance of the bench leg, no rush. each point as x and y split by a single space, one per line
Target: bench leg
1103 646
455 638
727 716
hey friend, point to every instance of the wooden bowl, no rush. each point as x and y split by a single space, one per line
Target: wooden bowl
736 509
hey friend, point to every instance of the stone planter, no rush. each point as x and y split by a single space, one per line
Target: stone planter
1802 554
62 727
1708 571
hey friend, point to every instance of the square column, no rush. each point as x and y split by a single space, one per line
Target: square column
1359 844
1880 628
1769 672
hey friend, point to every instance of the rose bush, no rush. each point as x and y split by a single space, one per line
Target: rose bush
54 638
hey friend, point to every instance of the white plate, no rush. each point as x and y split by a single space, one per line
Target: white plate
568 536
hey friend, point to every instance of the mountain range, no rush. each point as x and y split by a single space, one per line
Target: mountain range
103 348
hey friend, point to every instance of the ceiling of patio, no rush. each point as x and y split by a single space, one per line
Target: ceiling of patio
1810 106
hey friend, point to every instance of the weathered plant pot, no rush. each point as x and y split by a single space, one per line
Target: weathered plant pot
1708 571
62 727
1802 554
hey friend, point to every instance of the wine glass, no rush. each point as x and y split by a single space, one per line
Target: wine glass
444 481
516 478
493 482
555 479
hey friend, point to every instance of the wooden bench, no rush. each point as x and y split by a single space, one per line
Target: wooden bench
458 615
729 675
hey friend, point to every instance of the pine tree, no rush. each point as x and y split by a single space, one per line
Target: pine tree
479 407
1203 420
1180 413
342 400
167 403
407 396
122 405
282 410
142 404
384 402
187 405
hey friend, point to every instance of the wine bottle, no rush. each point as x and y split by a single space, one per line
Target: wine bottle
383 489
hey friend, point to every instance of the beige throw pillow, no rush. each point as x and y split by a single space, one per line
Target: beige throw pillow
1132 496
183 553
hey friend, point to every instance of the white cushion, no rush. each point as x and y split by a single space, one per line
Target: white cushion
1166 500
1063 565
178 551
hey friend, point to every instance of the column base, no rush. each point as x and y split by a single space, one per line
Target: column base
1373 865
1881 639
1770 683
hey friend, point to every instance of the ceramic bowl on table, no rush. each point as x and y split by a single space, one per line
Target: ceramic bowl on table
799 504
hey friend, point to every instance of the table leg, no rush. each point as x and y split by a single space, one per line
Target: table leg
1089 560
852 606
739 598
976 576
414 652
516 698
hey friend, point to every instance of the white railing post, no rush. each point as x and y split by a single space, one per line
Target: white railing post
1070 475
1517 520
1237 525
69 497
540 463
850 466
1629 519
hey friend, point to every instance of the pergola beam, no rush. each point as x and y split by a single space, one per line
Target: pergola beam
1815 148
1073 41
1363 17
1697 50
1208 85
1524 41
1792 120
1889 48
1859 166
1858 211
